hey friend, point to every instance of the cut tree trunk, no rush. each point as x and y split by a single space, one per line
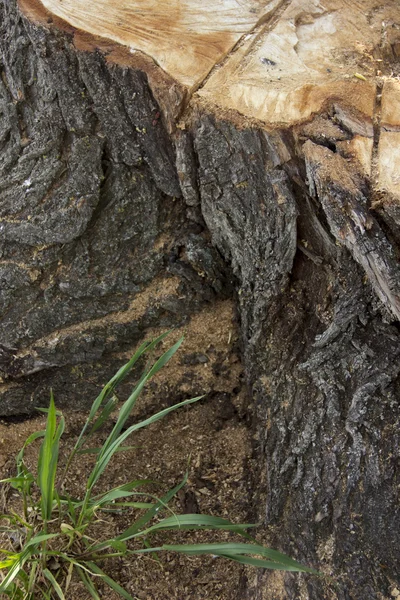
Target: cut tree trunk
155 157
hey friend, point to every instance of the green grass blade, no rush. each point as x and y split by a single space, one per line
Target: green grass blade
197 521
15 569
119 546
135 528
113 584
32 577
48 459
8 562
122 491
117 379
16 482
154 555
18 519
34 436
238 551
40 537
15 593
104 415
267 564
49 575
46 410
105 458
107 391
24 480
127 407
8 552
88 584
120 375
138 505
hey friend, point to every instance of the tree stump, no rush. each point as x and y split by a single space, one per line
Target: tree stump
157 157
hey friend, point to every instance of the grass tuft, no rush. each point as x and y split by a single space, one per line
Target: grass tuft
52 527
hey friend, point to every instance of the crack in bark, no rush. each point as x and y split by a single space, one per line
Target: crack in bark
377 132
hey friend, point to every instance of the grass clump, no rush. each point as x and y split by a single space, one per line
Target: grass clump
53 529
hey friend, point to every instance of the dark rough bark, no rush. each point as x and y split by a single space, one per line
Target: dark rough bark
321 359
91 213
98 202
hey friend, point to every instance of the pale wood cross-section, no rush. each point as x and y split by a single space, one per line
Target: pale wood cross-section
185 37
278 62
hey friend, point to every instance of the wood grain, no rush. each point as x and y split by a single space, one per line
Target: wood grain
186 38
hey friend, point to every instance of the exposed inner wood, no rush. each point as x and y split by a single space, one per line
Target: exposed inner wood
275 61
389 140
311 54
186 38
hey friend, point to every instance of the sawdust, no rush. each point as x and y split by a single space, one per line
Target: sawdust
213 433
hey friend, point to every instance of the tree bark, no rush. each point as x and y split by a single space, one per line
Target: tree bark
132 197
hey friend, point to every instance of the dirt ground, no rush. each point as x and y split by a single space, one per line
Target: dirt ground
214 433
